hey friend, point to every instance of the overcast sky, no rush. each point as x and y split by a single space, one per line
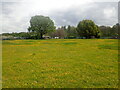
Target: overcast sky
15 14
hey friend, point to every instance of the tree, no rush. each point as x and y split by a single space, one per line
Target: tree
41 25
71 31
106 31
88 29
60 32
115 30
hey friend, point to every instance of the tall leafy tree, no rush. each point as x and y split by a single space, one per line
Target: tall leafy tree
115 30
71 31
87 28
41 25
106 31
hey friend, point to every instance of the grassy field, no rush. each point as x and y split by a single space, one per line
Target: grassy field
60 63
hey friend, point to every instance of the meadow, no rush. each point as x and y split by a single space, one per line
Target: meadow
60 63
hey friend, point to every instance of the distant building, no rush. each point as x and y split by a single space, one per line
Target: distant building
46 37
56 37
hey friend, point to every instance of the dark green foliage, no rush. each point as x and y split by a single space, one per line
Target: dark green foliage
41 25
111 32
6 34
71 31
20 35
64 32
105 31
115 30
88 29
60 32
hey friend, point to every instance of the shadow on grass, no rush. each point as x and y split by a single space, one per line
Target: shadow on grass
112 47
16 43
69 43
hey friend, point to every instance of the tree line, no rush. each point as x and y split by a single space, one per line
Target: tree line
41 26
71 32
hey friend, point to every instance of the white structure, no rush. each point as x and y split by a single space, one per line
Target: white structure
56 37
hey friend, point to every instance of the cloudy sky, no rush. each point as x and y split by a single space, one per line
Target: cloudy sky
15 14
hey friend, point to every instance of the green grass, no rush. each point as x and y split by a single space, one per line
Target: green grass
60 63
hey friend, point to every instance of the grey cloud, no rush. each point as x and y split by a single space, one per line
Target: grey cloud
96 13
18 21
6 7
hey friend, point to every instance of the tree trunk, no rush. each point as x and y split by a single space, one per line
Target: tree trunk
41 36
